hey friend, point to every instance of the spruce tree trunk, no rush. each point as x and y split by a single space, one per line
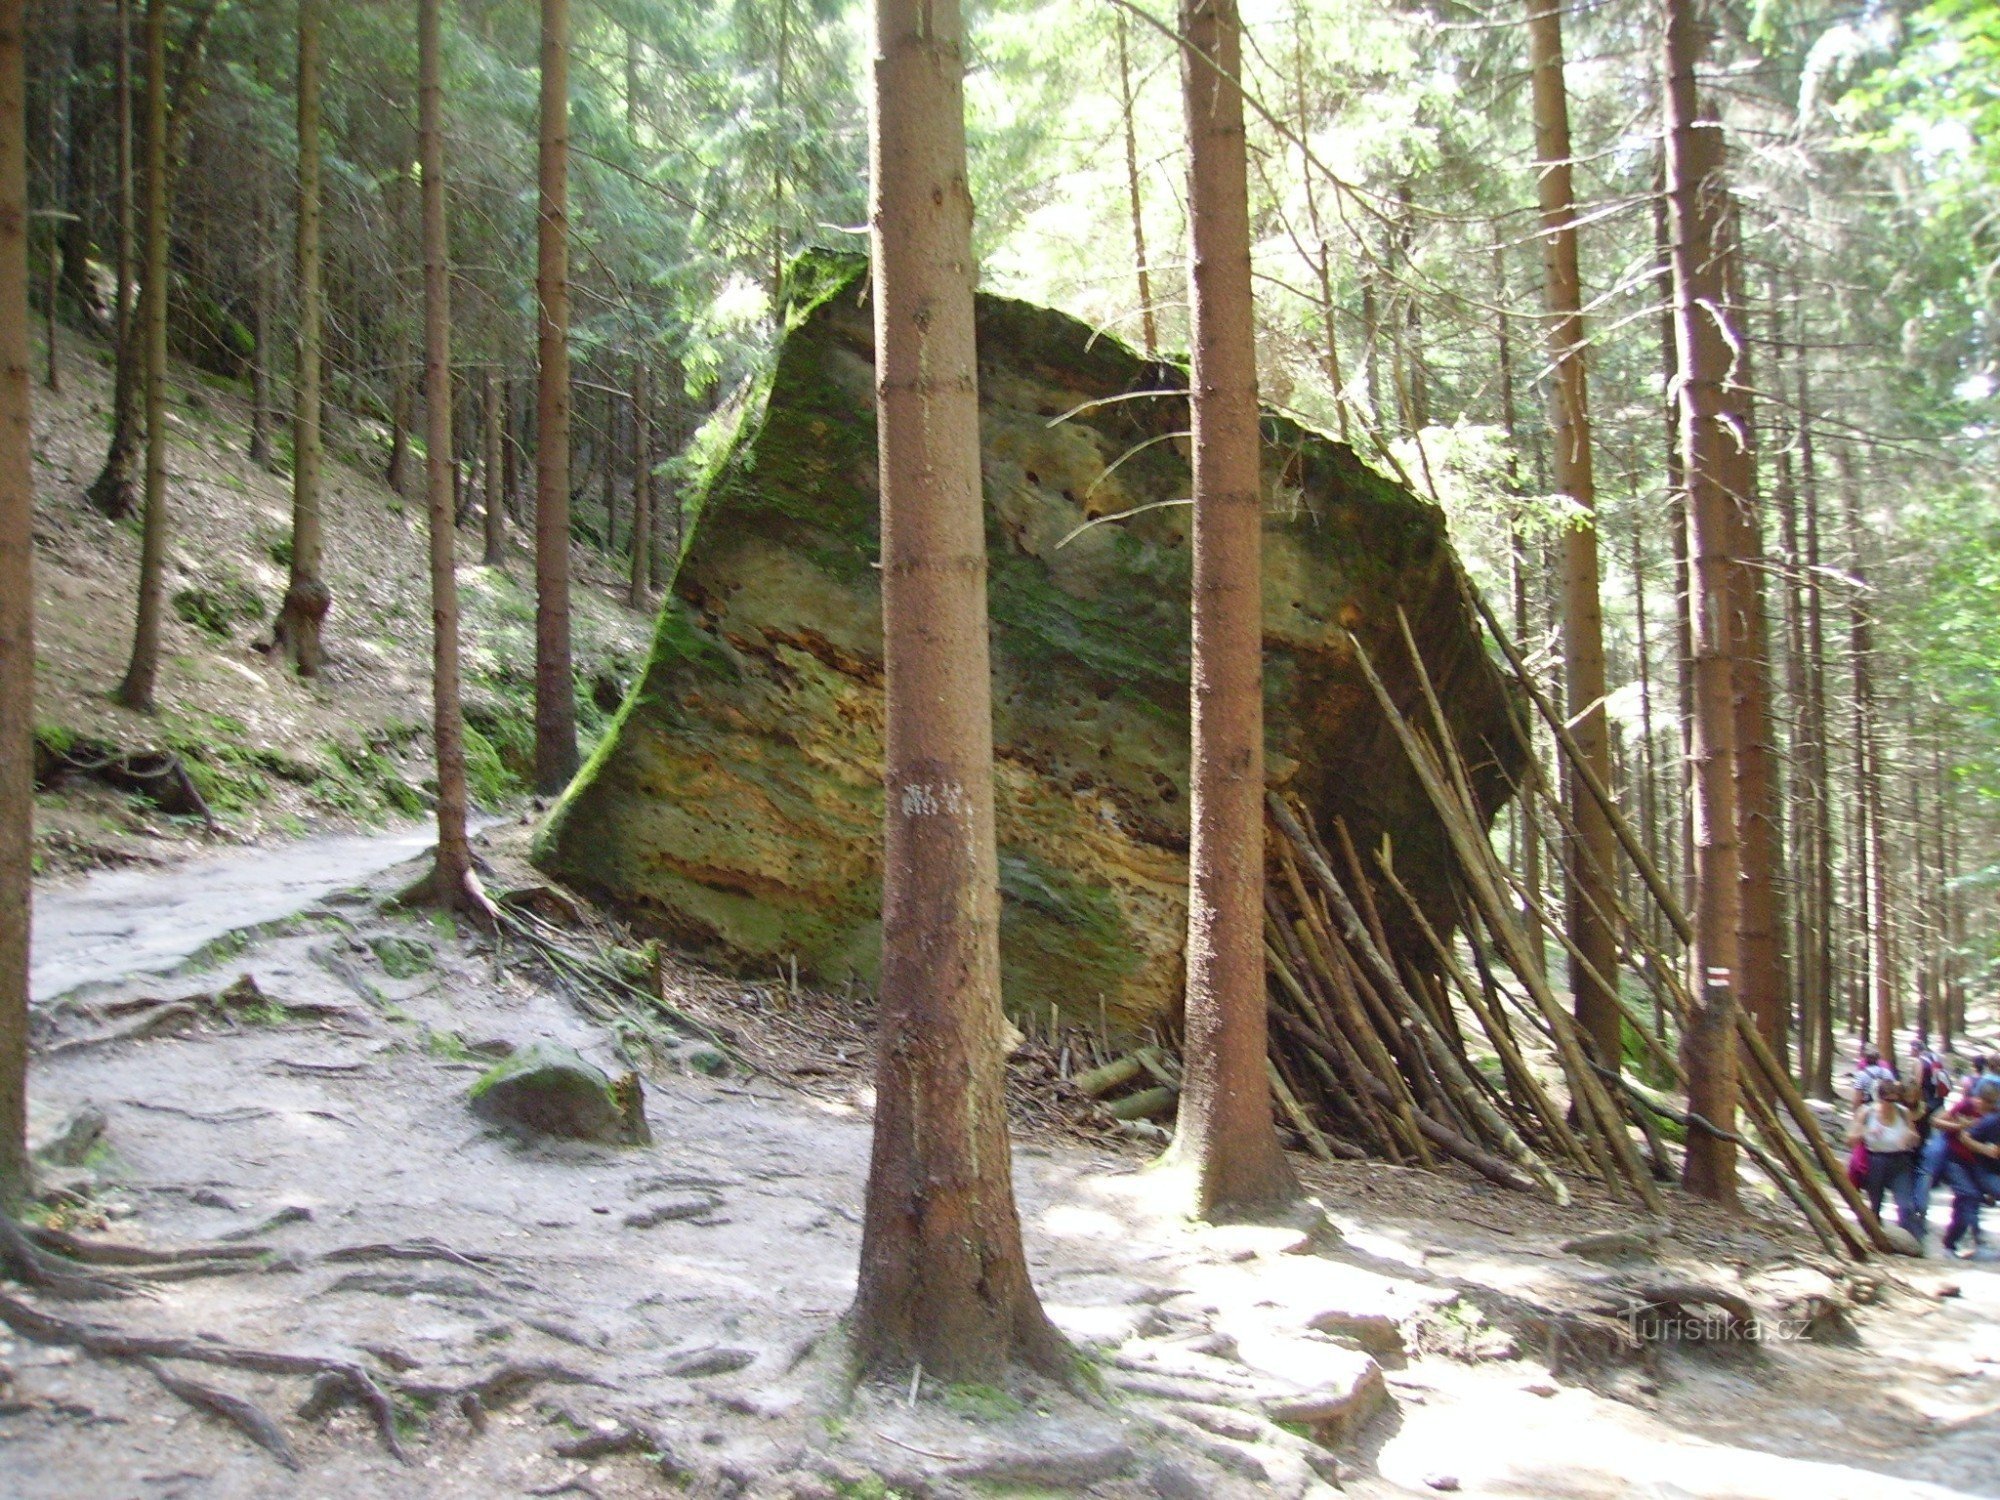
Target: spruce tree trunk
1763 985
493 501
1322 258
452 877
1225 1134
555 692
943 1278
307 598
17 620
136 691
638 592
1148 325
1818 765
607 489
1871 844
1695 192
263 319
396 475
58 19
1590 851
114 491
1806 917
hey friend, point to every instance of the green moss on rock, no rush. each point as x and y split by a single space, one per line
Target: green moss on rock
735 804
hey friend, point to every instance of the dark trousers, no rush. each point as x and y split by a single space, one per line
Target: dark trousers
1968 1184
1895 1173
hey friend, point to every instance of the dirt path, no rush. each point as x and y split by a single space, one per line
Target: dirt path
119 923
669 1290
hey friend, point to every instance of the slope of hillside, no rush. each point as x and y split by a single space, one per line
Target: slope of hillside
272 754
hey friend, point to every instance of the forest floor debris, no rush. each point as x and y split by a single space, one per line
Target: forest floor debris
558 1317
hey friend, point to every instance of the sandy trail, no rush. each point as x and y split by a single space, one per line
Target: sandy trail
118 923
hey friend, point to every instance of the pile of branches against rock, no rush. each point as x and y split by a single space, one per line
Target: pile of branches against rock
1371 1053
607 980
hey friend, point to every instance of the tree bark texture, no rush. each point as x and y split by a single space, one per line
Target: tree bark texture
555 691
307 598
136 691
113 491
1696 194
452 876
1763 984
1148 325
639 588
943 1279
1590 850
1225 1134
493 502
264 319
17 621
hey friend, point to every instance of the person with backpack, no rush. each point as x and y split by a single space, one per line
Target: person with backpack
1933 1096
1884 1129
1869 1070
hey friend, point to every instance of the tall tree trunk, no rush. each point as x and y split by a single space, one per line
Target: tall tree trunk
307 598
1322 259
1762 984
1528 835
555 691
1818 766
1695 193
943 1280
638 591
113 491
1871 844
1677 534
58 20
396 474
510 451
1590 852
263 318
1225 1135
1649 777
1806 833
136 691
493 500
17 612
780 122
452 880
1149 326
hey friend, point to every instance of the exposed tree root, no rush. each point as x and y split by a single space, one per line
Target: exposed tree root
112 1343
166 1016
104 1253
46 1273
423 1249
626 1437
244 1415
497 1388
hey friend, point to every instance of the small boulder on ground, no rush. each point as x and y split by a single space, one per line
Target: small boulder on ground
73 1139
548 1090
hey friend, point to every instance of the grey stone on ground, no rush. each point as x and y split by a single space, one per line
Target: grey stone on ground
1171 1480
73 1139
544 1089
1056 1466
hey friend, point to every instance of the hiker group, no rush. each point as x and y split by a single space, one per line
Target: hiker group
1913 1133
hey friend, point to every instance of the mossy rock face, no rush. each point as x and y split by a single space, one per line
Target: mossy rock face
736 806
547 1090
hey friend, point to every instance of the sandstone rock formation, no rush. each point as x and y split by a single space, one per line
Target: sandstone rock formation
736 805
